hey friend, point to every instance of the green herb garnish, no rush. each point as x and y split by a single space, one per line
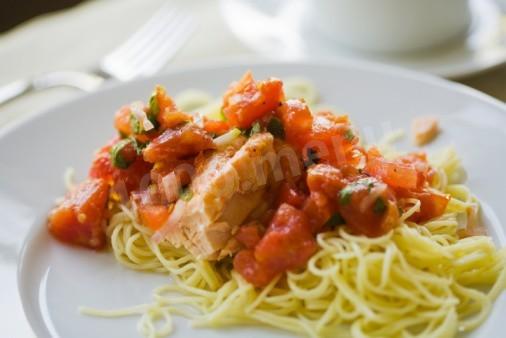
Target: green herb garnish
379 206
153 111
135 124
349 136
345 195
255 129
154 108
312 157
117 157
186 194
275 127
334 221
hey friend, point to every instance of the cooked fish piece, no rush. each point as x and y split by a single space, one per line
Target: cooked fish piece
424 129
227 186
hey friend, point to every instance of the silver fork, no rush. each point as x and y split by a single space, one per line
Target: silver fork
143 54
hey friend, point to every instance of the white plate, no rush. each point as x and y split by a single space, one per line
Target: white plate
55 279
282 28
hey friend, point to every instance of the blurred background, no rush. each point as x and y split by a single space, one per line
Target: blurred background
13 12
464 40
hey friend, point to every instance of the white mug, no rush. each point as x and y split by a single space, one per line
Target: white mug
391 25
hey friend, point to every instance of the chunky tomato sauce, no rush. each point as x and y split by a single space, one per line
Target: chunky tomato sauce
338 184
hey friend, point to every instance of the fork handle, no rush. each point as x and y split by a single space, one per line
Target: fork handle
80 80
13 90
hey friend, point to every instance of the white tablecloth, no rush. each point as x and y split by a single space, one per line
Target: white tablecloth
75 39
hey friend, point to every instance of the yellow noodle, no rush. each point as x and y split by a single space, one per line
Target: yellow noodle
418 280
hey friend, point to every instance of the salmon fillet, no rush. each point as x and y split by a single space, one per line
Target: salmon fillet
424 129
227 186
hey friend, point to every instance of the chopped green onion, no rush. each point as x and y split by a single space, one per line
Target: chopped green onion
312 157
186 194
255 129
154 108
349 136
117 158
379 206
135 124
227 138
153 111
275 127
345 195
334 220
213 111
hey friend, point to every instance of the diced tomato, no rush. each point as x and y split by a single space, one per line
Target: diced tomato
291 195
288 242
169 116
172 119
432 204
333 140
216 127
246 101
101 166
153 216
80 218
419 161
255 273
122 123
249 234
318 208
396 174
297 122
184 170
175 144
134 176
325 178
368 206
129 179
322 137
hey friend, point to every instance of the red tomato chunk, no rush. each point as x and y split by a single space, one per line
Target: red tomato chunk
288 244
246 101
178 143
123 180
80 218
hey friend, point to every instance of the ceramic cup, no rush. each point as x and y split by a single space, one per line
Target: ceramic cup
391 25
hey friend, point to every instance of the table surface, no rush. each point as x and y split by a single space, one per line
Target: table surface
40 46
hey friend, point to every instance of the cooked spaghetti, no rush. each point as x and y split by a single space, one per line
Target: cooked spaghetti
417 264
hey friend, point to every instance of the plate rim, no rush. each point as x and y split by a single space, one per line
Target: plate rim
367 66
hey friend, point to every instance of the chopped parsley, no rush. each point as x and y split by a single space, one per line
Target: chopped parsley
349 136
379 206
117 157
135 124
345 195
153 110
346 192
254 129
334 221
312 157
186 194
275 127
